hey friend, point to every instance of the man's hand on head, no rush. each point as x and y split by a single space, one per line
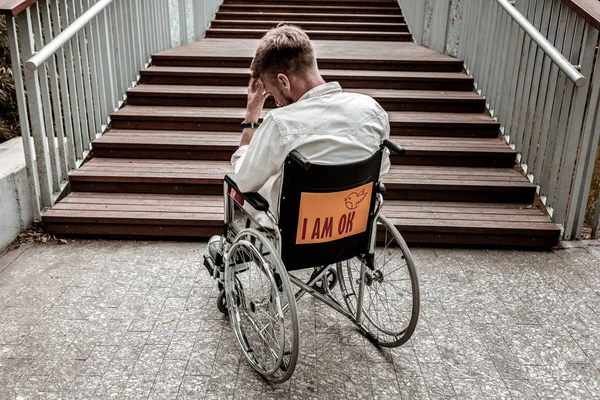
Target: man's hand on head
257 95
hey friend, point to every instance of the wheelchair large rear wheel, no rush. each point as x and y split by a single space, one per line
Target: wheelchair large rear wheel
261 305
390 307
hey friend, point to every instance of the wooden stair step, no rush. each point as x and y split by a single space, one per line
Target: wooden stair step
402 123
474 152
201 216
472 224
136 215
347 35
331 54
198 145
403 182
304 9
317 16
237 96
312 25
348 79
345 3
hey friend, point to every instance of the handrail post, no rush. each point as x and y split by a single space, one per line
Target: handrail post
589 140
23 120
32 84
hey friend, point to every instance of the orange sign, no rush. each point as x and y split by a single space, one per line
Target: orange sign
325 217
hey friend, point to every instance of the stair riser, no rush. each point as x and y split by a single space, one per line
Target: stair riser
388 105
479 160
487 240
383 10
345 82
390 18
394 192
195 61
383 37
319 27
122 231
221 125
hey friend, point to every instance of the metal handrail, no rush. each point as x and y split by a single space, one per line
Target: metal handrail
39 58
565 65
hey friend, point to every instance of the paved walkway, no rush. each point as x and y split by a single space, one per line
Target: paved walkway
108 319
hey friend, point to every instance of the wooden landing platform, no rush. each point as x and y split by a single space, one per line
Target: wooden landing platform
158 172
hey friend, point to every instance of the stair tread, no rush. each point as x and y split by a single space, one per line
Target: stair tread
248 8
328 74
230 141
309 24
316 31
316 16
190 171
241 91
235 113
191 209
325 50
314 34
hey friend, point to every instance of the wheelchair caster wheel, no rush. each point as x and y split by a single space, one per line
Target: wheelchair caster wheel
332 279
222 302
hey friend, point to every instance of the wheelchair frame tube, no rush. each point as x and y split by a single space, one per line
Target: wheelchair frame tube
373 238
331 302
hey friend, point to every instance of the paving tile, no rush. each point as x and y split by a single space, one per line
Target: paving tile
192 387
437 380
169 378
467 389
63 375
181 346
84 386
521 389
138 387
115 379
151 359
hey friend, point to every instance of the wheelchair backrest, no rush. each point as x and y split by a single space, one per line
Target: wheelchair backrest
326 211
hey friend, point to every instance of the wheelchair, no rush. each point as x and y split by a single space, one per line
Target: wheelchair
330 220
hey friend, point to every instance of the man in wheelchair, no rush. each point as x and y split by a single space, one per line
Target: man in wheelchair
307 186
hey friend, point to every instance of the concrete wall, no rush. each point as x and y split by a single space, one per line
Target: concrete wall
15 195
450 29
454 27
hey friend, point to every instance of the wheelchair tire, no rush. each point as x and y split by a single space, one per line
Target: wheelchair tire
391 298
222 302
262 306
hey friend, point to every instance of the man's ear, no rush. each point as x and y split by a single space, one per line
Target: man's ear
283 80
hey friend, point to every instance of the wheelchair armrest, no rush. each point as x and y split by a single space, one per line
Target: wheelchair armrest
254 199
391 146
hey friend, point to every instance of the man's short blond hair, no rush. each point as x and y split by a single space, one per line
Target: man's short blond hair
285 49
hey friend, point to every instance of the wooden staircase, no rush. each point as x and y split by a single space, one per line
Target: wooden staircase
158 172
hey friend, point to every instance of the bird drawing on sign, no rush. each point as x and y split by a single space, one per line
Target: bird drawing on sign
354 199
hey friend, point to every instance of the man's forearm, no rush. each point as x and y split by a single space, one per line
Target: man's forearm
247 135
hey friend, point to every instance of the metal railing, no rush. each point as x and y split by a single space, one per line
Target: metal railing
535 62
81 56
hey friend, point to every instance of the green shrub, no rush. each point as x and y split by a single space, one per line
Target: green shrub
9 116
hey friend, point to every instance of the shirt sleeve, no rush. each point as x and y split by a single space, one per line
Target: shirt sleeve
263 158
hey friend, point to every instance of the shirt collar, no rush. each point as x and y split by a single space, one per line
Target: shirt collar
322 90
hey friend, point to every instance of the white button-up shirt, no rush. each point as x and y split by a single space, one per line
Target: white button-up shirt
326 125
